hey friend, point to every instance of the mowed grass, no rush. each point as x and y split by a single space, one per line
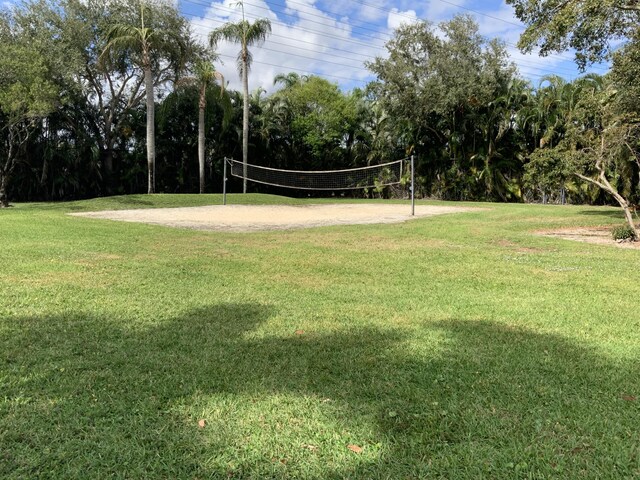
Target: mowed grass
460 346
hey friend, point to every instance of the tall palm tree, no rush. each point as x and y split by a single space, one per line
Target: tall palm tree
144 41
246 34
205 75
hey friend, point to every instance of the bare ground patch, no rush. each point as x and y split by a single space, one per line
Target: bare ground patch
597 235
251 218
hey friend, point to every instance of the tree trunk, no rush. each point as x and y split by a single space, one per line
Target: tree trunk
151 136
17 135
107 156
604 182
245 121
203 105
605 185
4 181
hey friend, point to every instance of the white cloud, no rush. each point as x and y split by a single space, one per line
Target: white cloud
314 42
503 24
334 39
370 13
397 18
437 11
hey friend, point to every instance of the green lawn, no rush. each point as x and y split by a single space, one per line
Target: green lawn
459 346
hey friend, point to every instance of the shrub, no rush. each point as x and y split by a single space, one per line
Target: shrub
623 232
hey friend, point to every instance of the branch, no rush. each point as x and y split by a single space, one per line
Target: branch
628 8
134 97
591 180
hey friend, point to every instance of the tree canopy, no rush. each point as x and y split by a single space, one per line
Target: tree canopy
590 27
28 92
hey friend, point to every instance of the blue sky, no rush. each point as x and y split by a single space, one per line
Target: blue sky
333 39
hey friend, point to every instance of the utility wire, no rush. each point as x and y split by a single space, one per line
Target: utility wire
377 7
302 70
526 64
403 14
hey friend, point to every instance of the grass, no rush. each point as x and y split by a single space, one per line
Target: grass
459 346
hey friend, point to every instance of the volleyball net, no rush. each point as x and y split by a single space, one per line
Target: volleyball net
348 179
369 177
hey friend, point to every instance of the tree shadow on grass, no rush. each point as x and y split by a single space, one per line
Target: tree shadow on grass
115 202
605 212
88 398
130 200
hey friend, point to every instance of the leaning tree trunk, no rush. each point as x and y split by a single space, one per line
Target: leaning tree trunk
245 121
202 105
151 136
603 182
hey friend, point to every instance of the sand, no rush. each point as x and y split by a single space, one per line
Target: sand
250 218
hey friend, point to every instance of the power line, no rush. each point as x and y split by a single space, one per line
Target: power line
303 56
317 32
353 80
302 70
385 10
361 2
526 64
523 63
442 1
337 64
297 40
349 25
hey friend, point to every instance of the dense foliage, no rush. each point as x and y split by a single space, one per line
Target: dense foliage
443 93
590 27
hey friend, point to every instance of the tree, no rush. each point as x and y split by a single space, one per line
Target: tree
436 88
605 147
597 147
601 134
549 118
289 79
587 26
27 94
498 158
547 170
149 45
109 88
205 75
321 118
625 75
246 34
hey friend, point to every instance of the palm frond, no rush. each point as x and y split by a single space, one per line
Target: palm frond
257 32
123 37
231 32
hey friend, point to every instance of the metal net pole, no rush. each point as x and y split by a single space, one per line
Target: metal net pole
413 187
224 182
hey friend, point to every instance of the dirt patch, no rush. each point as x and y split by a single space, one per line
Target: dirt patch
250 218
598 235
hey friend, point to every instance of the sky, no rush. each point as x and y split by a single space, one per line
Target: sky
334 39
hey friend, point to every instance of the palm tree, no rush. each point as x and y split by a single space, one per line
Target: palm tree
499 153
288 80
246 34
205 75
144 41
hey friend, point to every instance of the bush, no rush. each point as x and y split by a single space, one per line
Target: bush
623 232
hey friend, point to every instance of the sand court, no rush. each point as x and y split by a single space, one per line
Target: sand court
250 218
